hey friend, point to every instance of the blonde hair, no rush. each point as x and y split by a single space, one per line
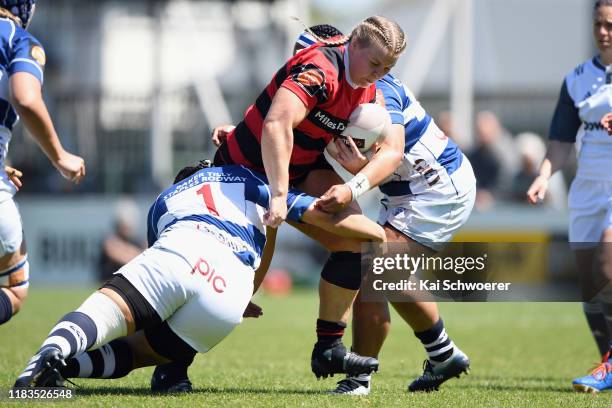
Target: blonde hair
382 31
377 29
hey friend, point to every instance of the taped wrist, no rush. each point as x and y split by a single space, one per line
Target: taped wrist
358 185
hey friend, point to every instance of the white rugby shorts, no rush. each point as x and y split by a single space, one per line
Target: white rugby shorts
431 223
590 209
195 283
11 230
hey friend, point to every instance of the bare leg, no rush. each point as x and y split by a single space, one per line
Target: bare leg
371 320
334 301
339 284
371 325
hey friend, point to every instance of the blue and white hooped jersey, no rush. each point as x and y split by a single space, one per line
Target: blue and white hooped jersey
19 52
228 202
433 164
586 96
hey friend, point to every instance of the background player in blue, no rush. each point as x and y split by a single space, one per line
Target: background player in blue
190 288
22 60
586 97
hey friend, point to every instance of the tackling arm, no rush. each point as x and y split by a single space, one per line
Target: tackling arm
384 162
347 223
387 158
285 113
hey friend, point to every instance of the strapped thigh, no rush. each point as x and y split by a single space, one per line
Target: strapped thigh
17 275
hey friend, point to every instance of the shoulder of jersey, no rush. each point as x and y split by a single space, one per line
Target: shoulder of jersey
9 28
390 81
402 91
586 67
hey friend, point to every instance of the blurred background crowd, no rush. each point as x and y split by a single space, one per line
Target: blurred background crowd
136 87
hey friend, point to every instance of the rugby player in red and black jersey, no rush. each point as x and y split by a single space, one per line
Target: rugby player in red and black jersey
313 87
284 133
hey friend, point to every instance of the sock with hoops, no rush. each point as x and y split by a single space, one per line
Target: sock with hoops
112 360
73 334
437 344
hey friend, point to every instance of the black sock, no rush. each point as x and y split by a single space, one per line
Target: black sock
607 312
329 333
437 344
596 318
178 369
113 360
6 307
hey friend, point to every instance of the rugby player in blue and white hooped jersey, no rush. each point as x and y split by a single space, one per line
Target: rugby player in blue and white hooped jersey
584 101
426 200
22 60
190 288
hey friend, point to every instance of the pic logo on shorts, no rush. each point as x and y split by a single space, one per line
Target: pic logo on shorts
205 270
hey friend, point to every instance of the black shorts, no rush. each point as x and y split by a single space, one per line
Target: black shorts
222 159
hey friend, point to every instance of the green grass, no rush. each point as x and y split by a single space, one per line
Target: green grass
523 355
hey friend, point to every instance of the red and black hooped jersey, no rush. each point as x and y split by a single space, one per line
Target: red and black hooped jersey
316 75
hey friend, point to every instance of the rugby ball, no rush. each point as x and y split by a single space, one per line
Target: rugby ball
367 124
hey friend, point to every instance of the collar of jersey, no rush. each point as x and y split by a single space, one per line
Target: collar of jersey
599 63
347 68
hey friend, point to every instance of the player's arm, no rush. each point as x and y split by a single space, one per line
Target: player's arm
26 98
384 162
346 223
252 309
565 123
266 258
388 157
556 157
286 112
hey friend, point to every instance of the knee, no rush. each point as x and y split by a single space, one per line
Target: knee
343 269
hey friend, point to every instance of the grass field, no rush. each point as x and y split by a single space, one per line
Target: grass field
523 355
